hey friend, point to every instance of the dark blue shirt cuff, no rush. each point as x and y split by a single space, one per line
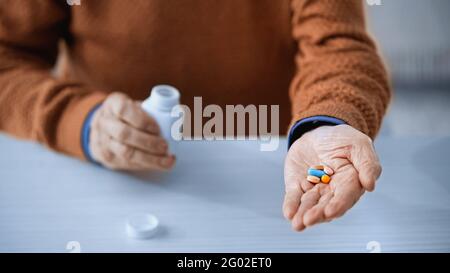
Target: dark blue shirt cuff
85 132
307 124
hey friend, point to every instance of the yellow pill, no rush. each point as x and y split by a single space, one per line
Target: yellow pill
313 179
318 167
325 179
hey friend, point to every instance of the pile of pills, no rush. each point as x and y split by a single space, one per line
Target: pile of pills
319 173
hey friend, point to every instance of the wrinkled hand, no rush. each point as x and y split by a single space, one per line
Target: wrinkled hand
349 153
124 137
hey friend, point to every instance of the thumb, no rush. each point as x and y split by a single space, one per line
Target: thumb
365 161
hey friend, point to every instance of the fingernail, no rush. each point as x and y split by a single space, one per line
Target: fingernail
288 213
167 161
297 226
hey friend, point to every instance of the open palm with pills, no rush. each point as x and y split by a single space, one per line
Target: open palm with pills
349 153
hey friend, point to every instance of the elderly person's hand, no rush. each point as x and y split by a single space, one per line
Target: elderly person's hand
349 153
124 137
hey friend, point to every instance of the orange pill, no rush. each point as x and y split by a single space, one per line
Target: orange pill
319 167
313 179
325 179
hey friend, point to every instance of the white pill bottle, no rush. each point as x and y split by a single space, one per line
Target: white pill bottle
159 105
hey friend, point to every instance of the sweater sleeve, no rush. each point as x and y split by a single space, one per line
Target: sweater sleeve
339 72
34 104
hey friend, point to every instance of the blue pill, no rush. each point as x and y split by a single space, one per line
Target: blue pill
314 172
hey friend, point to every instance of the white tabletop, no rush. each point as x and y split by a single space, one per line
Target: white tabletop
221 197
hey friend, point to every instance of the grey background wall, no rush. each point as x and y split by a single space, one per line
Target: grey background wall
414 37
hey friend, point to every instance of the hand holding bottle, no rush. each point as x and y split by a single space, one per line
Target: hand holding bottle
125 137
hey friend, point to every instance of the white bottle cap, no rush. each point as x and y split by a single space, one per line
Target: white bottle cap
163 97
142 225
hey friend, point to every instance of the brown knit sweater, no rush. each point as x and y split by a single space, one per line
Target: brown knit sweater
317 53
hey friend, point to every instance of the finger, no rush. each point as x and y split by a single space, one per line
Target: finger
135 158
101 152
316 214
126 134
345 196
107 158
291 201
153 162
126 109
294 172
308 200
365 161
294 185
